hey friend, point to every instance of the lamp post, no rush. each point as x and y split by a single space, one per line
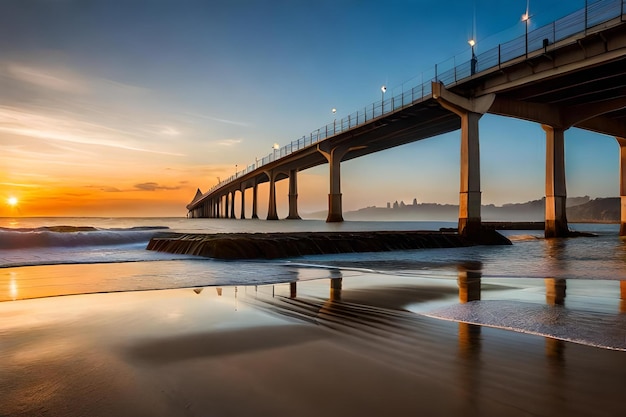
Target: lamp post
526 19
472 43
275 147
383 89
236 170
334 111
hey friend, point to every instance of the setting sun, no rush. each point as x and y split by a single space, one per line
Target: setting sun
12 201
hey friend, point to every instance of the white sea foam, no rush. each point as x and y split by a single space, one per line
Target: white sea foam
585 327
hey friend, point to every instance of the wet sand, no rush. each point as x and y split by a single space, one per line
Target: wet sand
325 347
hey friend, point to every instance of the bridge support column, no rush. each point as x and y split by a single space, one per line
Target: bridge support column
556 194
334 156
225 207
470 195
293 195
272 214
232 205
243 203
622 184
255 201
470 110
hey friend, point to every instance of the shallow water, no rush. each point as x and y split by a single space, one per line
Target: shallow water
112 258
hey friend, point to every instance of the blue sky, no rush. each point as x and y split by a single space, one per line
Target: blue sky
126 107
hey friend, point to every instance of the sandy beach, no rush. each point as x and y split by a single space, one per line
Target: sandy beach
345 347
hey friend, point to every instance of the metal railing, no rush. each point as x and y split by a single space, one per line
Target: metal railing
448 72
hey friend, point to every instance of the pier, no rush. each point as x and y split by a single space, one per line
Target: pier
570 73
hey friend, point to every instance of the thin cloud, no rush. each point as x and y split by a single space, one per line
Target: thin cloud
57 80
229 142
29 123
168 131
217 119
108 189
13 184
153 186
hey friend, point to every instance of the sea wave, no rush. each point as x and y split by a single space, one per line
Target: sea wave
74 236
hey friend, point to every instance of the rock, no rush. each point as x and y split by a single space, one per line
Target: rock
285 245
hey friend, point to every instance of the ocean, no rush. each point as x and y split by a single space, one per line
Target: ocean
570 289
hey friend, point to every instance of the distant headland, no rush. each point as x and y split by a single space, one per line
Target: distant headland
579 210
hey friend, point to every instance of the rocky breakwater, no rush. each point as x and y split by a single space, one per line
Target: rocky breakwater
286 245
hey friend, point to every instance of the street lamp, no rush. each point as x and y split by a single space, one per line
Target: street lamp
334 111
472 43
235 170
526 19
383 89
275 147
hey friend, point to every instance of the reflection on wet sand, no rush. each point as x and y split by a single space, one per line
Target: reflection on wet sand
335 286
555 291
622 296
469 274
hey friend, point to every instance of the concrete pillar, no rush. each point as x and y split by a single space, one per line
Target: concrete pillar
334 156
293 195
622 184
255 201
226 205
556 194
470 110
469 195
232 205
243 203
272 214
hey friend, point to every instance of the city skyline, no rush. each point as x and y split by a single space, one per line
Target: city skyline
126 108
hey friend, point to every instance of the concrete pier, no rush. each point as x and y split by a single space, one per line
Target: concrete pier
556 194
334 155
293 195
243 203
470 111
232 205
572 79
255 200
272 214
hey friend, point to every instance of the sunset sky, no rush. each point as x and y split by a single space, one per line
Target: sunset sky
125 108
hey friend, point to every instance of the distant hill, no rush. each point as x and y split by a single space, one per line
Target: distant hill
579 209
603 210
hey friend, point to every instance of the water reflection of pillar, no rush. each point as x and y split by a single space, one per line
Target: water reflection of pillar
555 357
622 296
469 355
469 340
555 291
469 274
336 280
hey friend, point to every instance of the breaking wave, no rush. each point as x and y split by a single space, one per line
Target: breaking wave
74 236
